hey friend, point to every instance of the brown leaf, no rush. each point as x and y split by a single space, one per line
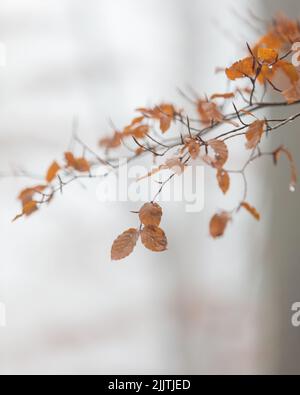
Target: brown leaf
124 245
27 194
52 172
111 142
167 115
70 159
254 134
222 96
267 55
28 209
164 113
82 165
282 150
140 131
241 69
79 164
150 214
209 112
223 180
175 165
292 94
221 153
193 147
289 70
136 129
154 238
218 224
251 210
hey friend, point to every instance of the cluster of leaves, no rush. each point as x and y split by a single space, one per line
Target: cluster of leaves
267 66
152 236
31 198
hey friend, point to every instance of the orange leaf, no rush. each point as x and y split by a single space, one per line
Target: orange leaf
289 70
166 117
193 147
254 134
269 40
28 209
221 153
150 214
70 159
52 172
175 165
222 96
140 131
82 165
282 150
154 238
164 113
267 55
223 180
209 112
218 224
251 210
124 245
27 194
241 69
292 94
79 164
112 142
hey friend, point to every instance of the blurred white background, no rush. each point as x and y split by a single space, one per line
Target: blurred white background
202 307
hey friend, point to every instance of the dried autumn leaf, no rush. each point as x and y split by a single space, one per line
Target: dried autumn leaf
282 150
223 180
218 224
136 129
292 94
52 172
175 165
164 113
287 29
154 238
70 159
254 134
209 112
289 70
79 164
111 142
140 131
241 69
124 245
221 153
267 55
193 147
167 115
28 209
222 96
251 210
150 214
82 165
27 194
269 40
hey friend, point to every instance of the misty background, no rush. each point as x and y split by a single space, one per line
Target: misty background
202 307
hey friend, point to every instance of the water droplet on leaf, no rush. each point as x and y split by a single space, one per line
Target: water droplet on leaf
292 188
